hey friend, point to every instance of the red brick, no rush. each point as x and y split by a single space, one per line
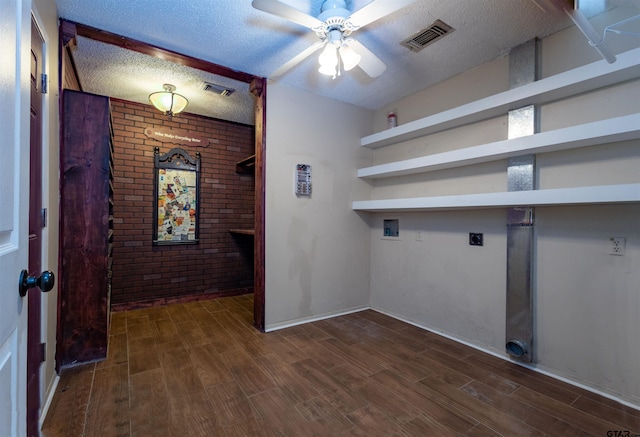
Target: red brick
220 261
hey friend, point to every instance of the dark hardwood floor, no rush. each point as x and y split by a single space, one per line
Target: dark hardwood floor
200 369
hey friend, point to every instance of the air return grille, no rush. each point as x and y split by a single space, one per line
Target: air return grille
218 89
427 36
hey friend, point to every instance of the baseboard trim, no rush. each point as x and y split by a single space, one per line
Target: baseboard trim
314 318
505 357
44 409
162 301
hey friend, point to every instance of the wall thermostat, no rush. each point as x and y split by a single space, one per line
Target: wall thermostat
303 180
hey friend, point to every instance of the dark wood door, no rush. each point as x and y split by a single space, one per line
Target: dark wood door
34 349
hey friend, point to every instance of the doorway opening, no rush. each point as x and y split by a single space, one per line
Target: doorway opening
69 31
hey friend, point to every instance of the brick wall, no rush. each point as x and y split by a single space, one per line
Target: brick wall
221 261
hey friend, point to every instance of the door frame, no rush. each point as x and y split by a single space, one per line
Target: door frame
35 353
48 303
68 32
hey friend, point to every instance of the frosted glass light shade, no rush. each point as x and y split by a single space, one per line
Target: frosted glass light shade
168 101
329 70
349 57
328 60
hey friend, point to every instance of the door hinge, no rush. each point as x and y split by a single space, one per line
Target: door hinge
44 217
44 83
43 352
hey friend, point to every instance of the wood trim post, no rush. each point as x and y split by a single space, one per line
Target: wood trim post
258 88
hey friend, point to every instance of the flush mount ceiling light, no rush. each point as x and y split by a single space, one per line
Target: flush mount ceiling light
168 101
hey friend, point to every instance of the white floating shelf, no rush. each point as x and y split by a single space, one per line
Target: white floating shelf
584 135
627 193
579 80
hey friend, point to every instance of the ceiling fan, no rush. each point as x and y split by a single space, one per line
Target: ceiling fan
334 27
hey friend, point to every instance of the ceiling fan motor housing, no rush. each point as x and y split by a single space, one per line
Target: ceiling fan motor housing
334 4
333 15
334 12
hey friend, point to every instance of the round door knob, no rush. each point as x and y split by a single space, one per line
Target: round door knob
45 282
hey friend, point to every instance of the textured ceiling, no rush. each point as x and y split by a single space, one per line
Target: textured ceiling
233 34
108 70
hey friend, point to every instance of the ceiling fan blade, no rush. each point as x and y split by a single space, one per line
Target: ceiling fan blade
297 59
290 13
375 10
370 63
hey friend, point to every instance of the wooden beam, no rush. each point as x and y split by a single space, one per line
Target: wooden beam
158 52
258 88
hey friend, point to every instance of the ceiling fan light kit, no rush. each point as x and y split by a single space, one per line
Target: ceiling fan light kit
329 59
333 26
348 56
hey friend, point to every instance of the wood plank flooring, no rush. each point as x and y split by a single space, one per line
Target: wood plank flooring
201 369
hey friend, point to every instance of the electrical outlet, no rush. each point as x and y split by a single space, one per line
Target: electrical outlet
617 245
419 235
475 239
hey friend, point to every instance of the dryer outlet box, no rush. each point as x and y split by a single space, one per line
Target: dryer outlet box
475 239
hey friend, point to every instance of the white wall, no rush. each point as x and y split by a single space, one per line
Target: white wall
47 17
317 248
441 282
587 302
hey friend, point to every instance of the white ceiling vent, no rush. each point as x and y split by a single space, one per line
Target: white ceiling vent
427 36
218 89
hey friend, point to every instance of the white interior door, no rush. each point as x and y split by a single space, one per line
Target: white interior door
15 25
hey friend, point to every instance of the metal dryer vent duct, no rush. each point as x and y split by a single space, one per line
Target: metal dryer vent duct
523 69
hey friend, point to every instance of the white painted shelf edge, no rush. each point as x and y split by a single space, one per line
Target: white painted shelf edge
625 193
600 132
579 80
